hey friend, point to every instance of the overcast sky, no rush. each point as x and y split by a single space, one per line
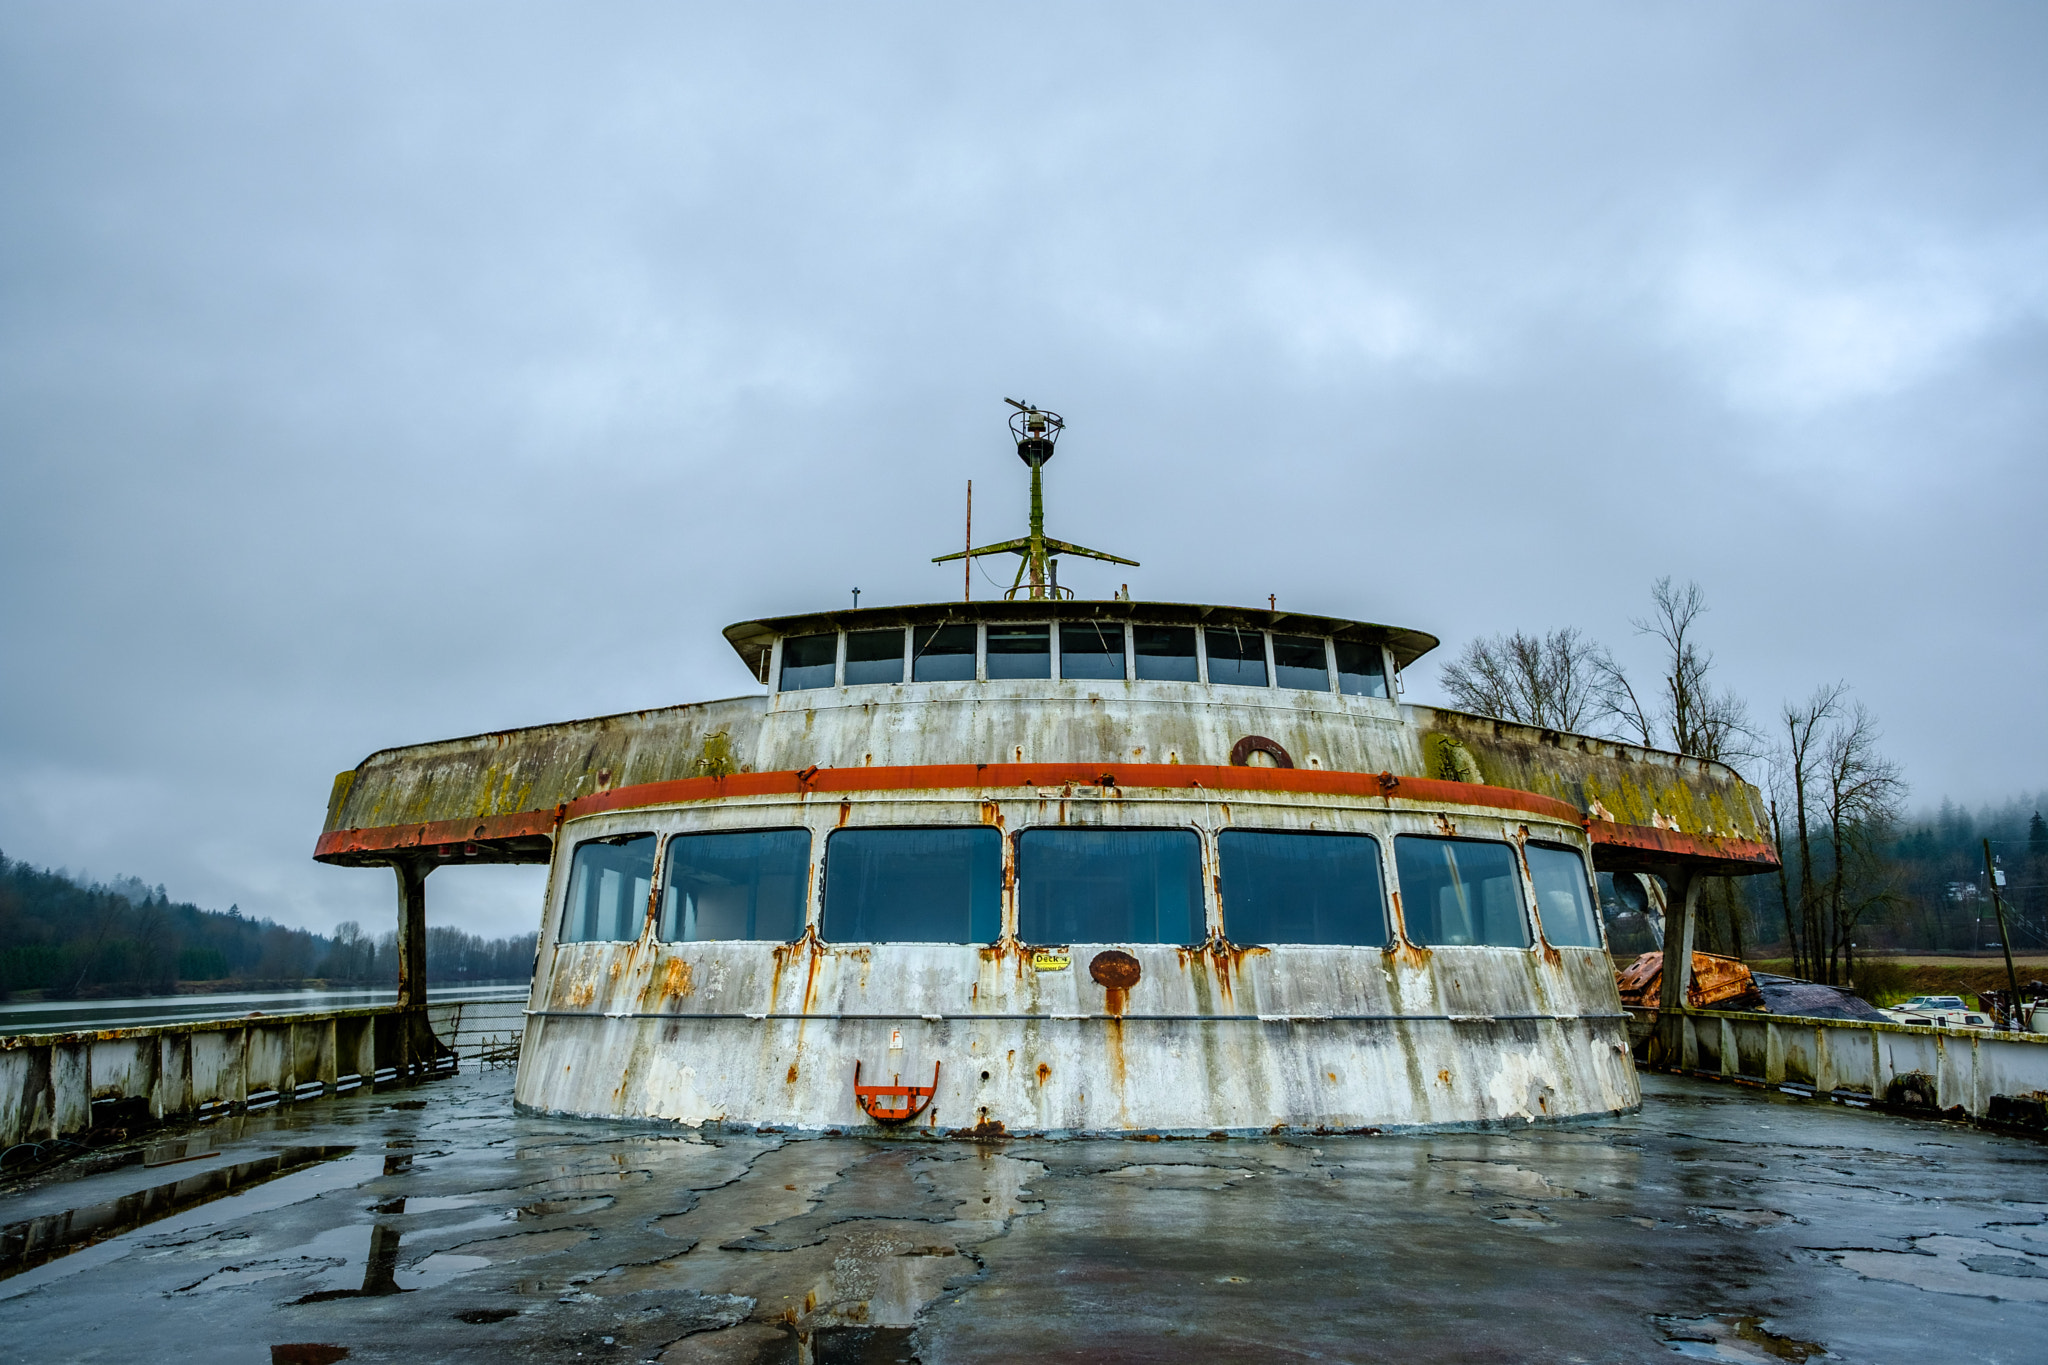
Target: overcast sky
379 373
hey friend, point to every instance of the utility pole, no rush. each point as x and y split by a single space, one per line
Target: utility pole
2012 978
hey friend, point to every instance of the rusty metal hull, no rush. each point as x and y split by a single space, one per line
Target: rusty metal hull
1210 1038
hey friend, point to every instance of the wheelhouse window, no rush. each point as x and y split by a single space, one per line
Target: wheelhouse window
1301 661
1019 652
1286 887
914 886
874 656
1092 649
1564 898
1457 892
808 661
1361 669
743 884
1237 657
608 884
1109 886
944 654
1165 653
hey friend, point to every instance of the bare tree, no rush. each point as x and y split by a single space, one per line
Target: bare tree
1685 709
1862 799
1796 773
1551 681
1841 792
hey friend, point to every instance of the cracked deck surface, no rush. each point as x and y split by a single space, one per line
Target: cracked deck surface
1718 1224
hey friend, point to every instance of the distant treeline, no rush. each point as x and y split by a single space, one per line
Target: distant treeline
65 938
1921 890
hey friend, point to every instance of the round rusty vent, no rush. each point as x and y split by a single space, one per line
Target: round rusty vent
1242 751
1114 969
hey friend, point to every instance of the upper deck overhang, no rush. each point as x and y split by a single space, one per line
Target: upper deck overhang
754 639
527 836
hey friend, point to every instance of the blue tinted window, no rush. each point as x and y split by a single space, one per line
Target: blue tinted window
1020 651
1092 649
1236 656
1109 886
608 884
1361 670
1301 888
914 886
874 656
742 885
1563 901
808 661
1460 891
944 654
1165 653
1300 661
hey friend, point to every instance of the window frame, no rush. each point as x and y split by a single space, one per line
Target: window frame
1381 857
1052 650
1265 654
782 654
1524 891
806 912
560 917
822 870
1201 657
1591 888
1273 663
977 671
1205 880
1121 628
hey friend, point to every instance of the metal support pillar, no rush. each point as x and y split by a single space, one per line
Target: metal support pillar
1680 915
412 967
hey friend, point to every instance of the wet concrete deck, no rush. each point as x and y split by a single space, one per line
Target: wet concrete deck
1718 1224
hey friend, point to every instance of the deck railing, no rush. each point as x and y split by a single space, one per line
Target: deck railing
2001 1078
51 1084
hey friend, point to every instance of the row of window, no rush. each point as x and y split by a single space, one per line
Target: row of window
944 885
1085 649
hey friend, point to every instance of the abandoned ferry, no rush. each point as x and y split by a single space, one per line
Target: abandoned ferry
1055 866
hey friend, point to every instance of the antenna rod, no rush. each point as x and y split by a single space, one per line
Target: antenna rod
967 564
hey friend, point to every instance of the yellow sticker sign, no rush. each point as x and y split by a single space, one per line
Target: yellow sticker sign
1050 962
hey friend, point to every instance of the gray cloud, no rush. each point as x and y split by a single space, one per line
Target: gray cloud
375 374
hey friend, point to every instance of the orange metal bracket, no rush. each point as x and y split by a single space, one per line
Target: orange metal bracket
896 1102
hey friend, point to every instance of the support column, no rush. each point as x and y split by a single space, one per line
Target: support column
1679 918
412 967
412 933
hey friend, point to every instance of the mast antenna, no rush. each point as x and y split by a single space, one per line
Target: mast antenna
1036 431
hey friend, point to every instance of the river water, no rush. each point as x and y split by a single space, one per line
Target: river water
68 1016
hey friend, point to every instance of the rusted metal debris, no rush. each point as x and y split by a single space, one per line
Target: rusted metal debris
1718 983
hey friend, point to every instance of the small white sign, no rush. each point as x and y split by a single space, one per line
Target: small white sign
895 1040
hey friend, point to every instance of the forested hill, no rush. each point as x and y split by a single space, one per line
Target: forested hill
63 938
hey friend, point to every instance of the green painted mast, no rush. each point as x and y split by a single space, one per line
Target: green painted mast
1035 430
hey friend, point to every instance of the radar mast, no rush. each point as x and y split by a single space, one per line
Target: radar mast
1036 431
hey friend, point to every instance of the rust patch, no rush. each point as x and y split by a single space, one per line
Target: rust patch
1115 969
790 1079
1115 999
992 814
1044 1072
984 1127
845 812
1444 1076
676 980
